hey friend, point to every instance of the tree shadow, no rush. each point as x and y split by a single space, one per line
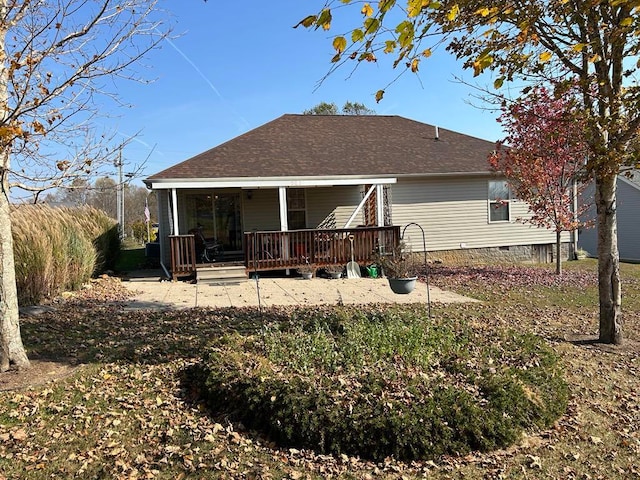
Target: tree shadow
89 332
593 341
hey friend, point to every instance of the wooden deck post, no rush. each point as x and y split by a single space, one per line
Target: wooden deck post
183 255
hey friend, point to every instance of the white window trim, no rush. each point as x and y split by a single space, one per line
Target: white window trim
509 201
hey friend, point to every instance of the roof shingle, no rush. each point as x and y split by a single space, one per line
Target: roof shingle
328 145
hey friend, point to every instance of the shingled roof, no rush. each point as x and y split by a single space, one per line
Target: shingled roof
337 145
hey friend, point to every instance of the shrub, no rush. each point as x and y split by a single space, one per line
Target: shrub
381 383
58 249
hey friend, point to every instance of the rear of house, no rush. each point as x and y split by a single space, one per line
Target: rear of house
342 174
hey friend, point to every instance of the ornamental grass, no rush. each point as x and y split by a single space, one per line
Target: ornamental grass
59 249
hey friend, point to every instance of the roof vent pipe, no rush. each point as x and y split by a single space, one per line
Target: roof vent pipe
437 133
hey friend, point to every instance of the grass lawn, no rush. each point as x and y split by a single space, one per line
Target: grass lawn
132 256
125 412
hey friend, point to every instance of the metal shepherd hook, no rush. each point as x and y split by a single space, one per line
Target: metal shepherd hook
426 266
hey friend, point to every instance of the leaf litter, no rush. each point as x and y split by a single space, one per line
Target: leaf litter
124 412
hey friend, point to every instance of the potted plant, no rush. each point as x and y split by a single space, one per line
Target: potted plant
334 271
307 270
401 269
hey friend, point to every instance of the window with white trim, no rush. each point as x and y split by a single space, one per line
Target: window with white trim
296 209
499 201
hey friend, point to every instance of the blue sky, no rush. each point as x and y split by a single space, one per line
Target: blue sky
235 66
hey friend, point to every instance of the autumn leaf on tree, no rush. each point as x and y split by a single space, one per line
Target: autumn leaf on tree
543 158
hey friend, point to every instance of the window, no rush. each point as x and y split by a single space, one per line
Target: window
296 209
499 201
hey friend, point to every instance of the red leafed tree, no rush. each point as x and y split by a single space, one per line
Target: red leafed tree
543 159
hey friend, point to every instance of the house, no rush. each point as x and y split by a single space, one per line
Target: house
293 190
628 206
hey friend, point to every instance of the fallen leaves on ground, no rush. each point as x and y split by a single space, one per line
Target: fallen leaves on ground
508 277
126 414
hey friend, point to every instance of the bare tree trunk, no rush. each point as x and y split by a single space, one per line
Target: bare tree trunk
558 258
609 285
11 348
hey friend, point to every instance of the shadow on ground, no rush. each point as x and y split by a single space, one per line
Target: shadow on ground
86 332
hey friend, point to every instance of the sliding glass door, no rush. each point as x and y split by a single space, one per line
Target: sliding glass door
220 216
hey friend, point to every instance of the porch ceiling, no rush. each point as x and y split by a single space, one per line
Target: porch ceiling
267 182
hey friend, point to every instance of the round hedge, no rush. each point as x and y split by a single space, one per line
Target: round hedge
385 383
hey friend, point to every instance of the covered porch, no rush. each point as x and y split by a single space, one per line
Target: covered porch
280 250
270 226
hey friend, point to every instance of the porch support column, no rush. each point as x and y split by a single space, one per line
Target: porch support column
282 199
174 202
380 205
284 222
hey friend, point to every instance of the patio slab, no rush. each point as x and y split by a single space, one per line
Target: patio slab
151 293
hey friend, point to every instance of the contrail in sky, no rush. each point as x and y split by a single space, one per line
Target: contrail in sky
195 67
202 75
134 138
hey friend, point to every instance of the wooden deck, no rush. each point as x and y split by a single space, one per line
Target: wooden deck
278 250
275 250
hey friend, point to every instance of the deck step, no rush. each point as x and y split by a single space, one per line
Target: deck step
221 273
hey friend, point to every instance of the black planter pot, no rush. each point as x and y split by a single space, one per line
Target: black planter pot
402 286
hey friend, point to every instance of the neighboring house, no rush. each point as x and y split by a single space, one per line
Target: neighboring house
628 213
324 173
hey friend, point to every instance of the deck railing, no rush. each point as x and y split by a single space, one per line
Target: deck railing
273 250
183 255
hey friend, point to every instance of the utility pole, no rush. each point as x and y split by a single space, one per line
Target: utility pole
120 196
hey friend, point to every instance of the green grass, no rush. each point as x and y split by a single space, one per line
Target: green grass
130 259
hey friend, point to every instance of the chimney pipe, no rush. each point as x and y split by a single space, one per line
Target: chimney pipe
437 133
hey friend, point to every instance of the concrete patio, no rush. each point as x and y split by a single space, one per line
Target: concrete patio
152 293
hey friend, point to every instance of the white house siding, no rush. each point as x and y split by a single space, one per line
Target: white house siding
331 207
628 203
454 215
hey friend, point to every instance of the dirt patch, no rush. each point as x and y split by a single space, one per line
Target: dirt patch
40 372
103 289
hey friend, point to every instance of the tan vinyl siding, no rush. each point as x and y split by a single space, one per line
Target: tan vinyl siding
455 214
262 211
588 237
331 207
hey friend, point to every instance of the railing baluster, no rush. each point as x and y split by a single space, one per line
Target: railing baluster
281 250
183 255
